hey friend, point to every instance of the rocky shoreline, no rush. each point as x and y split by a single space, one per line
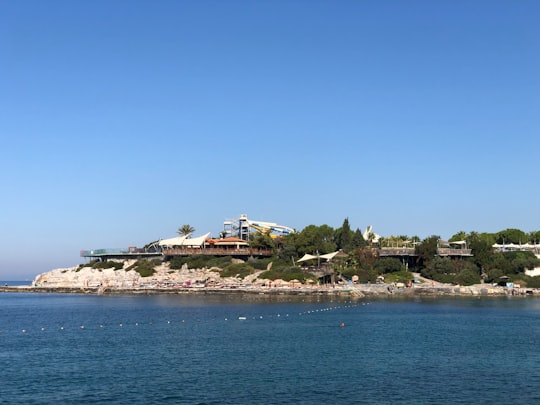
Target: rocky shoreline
87 280
349 291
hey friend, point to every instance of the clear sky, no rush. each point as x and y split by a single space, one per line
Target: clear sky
122 120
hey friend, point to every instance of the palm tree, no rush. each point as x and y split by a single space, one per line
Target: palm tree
371 238
185 230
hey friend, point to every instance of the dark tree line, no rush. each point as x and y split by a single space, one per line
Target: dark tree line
361 257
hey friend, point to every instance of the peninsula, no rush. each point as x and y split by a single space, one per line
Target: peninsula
262 257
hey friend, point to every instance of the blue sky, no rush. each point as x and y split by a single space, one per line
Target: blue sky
122 120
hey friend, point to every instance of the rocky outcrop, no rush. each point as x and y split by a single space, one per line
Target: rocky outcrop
209 280
110 278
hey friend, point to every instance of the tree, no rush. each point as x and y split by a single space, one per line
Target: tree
481 248
467 276
344 236
358 240
287 251
534 237
440 269
366 257
185 230
511 235
500 262
371 238
388 265
261 241
315 239
427 249
521 261
395 241
461 235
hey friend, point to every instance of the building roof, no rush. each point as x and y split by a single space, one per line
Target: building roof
228 241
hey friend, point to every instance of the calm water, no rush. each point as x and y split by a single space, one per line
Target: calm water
15 283
196 350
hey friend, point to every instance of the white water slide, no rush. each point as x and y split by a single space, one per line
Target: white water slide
243 226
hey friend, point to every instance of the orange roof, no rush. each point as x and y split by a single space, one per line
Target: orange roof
226 241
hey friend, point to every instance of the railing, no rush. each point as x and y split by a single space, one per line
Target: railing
402 251
116 252
217 252
411 252
100 252
453 252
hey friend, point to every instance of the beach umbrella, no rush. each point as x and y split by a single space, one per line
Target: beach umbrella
294 281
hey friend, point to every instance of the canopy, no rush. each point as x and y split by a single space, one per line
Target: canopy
327 256
196 242
306 257
178 241
185 241
459 242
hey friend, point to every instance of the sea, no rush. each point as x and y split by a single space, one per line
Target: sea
261 349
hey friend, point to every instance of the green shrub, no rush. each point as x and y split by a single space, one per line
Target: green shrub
366 275
287 274
280 264
89 264
144 267
467 277
240 270
445 278
156 261
348 272
531 282
200 261
108 265
388 265
398 277
177 262
260 264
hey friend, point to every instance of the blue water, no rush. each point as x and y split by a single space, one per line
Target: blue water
195 350
15 283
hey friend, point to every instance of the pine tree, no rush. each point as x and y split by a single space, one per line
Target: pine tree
345 237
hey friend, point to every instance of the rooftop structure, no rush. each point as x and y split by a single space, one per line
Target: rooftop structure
243 227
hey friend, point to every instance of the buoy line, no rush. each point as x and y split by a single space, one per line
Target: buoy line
64 327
